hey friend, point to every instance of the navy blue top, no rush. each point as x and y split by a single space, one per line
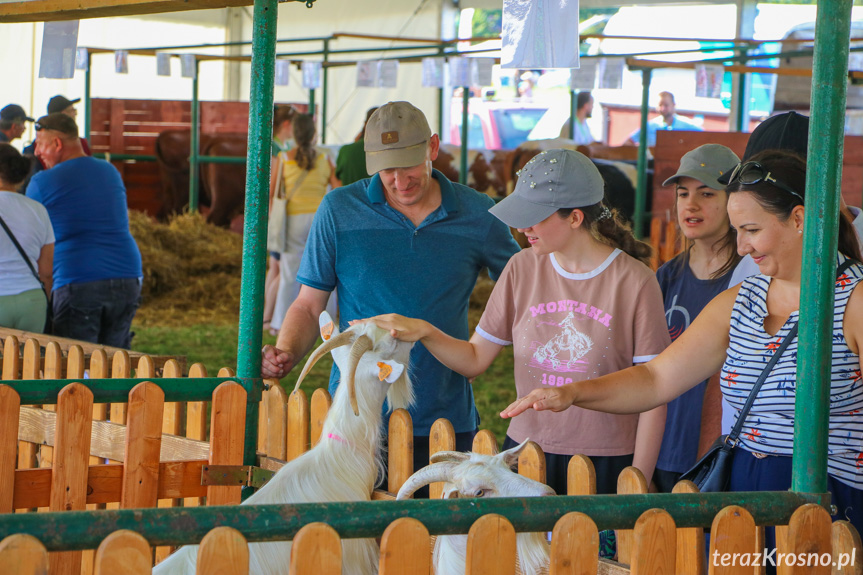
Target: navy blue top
685 296
381 263
86 201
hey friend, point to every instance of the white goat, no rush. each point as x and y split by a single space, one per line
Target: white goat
477 475
344 465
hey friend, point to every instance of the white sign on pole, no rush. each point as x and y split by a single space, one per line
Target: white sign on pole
708 81
433 72
482 68
539 34
163 64
82 59
59 49
121 61
583 77
611 73
312 75
282 72
388 73
459 71
367 74
188 67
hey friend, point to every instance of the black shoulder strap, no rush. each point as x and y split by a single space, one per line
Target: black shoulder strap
738 425
23 254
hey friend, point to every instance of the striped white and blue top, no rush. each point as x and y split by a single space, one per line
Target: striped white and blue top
769 426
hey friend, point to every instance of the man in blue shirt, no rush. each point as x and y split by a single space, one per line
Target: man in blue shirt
97 264
667 120
406 241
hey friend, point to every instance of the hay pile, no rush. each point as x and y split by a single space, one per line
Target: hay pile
192 273
191 270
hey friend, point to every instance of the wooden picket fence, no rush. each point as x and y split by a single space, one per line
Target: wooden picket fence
54 459
825 548
665 239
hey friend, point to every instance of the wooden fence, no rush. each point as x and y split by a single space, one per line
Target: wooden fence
60 452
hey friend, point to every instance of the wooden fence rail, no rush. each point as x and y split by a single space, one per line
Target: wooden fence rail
814 547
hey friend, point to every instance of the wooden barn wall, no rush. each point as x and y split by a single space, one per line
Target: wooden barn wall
120 126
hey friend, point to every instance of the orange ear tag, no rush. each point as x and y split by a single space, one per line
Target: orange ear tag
384 370
327 331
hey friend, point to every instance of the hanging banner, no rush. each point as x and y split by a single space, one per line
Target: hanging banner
708 81
283 72
388 73
121 61
583 77
367 74
163 64
433 72
482 68
188 67
311 75
59 49
459 71
611 73
82 60
539 34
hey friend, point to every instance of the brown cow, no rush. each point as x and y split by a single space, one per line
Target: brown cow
484 175
221 186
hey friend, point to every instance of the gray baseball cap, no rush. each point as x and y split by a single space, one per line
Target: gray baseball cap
552 180
705 164
396 136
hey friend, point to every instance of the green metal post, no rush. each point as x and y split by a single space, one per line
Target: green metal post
255 223
821 229
194 145
573 104
465 102
641 189
742 104
440 104
326 72
312 102
88 103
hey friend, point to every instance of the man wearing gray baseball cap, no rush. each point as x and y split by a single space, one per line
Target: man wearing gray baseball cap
405 240
579 304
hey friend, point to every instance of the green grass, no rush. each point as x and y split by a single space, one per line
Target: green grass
216 346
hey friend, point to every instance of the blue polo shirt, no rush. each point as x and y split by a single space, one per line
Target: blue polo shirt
658 123
86 201
381 263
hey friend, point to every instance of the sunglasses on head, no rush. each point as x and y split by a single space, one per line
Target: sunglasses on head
748 173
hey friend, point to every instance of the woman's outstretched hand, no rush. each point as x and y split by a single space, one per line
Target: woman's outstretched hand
401 327
553 398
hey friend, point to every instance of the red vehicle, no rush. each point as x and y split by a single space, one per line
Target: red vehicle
495 125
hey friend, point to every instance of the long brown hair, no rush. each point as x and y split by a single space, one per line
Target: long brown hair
304 136
790 169
607 226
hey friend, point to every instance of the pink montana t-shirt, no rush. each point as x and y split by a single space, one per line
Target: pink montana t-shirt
569 327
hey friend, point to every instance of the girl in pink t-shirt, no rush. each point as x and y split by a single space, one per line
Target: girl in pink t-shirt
579 304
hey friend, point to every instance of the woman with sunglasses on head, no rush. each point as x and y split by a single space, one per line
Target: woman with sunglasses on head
738 333
708 265
580 303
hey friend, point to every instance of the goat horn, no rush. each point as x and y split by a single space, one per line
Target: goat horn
343 338
361 345
429 474
444 456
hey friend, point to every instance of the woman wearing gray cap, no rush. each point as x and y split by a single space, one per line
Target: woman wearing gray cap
580 304
706 267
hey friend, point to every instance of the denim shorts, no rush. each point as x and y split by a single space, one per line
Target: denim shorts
98 312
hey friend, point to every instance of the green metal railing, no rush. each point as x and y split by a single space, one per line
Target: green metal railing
76 530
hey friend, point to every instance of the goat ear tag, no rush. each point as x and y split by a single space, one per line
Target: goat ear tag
389 371
327 331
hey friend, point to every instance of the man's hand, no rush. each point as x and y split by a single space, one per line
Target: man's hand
553 398
275 363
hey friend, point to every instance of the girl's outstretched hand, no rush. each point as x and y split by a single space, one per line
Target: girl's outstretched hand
553 398
401 327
